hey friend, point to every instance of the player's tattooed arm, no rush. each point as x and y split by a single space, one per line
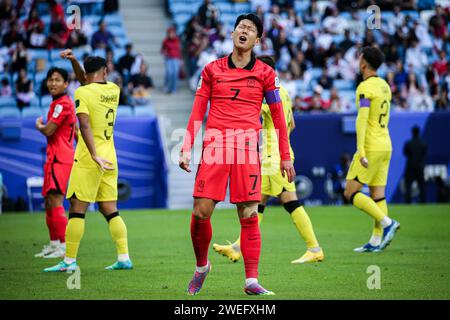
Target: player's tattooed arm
46 129
88 138
361 127
79 71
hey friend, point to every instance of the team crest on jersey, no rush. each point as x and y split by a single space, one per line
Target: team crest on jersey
251 83
199 84
57 111
277 82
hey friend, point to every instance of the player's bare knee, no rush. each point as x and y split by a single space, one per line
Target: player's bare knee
247 209
203 208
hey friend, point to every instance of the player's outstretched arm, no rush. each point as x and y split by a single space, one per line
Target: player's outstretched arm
88 138
361 126
46 129
79 72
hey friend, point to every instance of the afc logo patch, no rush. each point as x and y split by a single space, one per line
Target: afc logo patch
251 83
277 82
57 111
199 84
201 185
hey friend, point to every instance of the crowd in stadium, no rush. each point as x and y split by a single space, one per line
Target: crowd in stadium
317 50
25 36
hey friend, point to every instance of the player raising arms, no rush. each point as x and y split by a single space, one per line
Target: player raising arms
370 163
94 174
60 131
235 86
275 185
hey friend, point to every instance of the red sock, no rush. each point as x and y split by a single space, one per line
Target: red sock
50 224
60 223
201 234
250 245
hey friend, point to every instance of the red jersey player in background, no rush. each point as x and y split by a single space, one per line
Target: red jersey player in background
60 131
235 86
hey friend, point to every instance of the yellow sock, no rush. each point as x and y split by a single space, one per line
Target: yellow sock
377 228
238 241
366 204
74 233
304 226
118 232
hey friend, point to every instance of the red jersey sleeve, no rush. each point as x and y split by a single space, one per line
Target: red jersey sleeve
198 109
61 111
273 99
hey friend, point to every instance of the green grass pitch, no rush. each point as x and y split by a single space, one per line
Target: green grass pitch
414 266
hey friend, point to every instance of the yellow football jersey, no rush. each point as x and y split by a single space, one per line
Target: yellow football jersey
374 93
270 150
100 102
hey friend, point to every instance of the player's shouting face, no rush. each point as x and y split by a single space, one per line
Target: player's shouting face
245 35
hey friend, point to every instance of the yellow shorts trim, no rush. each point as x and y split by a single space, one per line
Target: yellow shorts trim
91 184
377 172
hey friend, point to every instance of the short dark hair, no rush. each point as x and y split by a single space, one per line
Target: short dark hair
64 74
253 18
373 56
93 64
267 60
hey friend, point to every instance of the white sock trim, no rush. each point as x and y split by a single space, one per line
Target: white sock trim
54 243
386 222
123 257
69 260
202 269
250 281
375 240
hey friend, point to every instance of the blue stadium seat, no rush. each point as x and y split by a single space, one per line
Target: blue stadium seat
38 78
310 27
46 101
225 7
301 5
242 7
144 111
9 113
341 84
7 102
31 112
62 63
113 20
302 85
124 111
35 102
315 72
180 8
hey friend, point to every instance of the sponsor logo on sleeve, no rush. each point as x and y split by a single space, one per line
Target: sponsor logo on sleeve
57 111
199 85
277 82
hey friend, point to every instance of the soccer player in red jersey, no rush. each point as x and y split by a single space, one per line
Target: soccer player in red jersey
60 131
235 86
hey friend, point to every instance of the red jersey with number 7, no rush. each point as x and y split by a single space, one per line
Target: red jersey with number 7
60 143
236 96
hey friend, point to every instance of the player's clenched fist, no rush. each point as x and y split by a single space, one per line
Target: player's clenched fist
67 54
185 159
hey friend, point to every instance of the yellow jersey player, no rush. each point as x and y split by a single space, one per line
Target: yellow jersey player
370 163
275 185
94 173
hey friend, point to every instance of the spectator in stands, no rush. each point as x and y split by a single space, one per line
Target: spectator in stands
339 68
110 6
421 101
59 33
12 36
140 86
356 24
325 80
113 74
7 13
260 11
297 104
20 57
171 49
416 60
126 61
313 13
440 65
73 84
192 27
284 50
438 24
33 23
401 76
415 151
77 39
347 43
298 66
208 15
6 90
102 37
264 48
223 45
423 36
24 89
411 89
390 80
443 101
335 24
56 10
316 103
194 49
37 38
263 5
442 190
